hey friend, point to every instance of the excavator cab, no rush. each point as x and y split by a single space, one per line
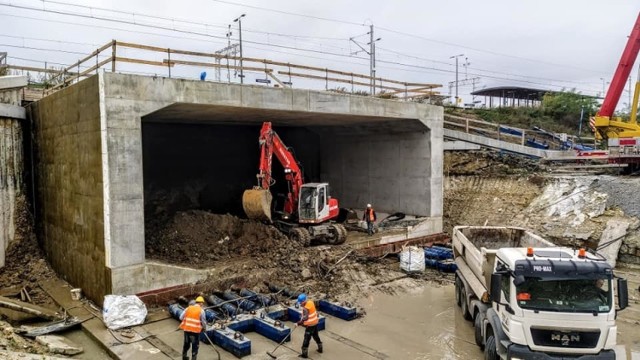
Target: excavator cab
314 206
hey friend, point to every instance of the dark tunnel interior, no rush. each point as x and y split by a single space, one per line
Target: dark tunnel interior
208 166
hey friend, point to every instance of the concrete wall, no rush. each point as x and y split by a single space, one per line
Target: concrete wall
12 202
69 186
390 171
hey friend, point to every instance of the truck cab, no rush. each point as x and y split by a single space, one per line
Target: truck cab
552 300
530 299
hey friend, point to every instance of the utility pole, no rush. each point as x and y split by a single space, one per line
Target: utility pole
372 56
239 21
466 65
456 57
229 50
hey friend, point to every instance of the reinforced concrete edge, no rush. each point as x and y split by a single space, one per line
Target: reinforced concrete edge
105 170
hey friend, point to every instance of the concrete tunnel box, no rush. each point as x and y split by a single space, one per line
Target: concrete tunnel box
107 143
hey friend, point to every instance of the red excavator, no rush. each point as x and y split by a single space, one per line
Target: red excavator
308 208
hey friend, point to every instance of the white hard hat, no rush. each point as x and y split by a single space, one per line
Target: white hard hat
368 205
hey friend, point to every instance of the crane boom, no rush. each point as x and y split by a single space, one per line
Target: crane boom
622 72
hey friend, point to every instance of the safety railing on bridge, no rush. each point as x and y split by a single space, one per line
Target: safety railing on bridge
110 57
536 138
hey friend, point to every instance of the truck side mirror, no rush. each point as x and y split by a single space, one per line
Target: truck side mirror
496 291
623 294
519 280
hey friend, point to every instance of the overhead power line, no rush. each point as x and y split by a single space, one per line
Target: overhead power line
485 51
290 13
405 34
44 49
185 21
164 28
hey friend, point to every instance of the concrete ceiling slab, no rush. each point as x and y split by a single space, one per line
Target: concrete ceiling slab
181 113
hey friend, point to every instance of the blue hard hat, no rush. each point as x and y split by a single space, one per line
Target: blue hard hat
302 298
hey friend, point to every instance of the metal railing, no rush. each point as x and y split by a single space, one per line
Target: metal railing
507 133
109 57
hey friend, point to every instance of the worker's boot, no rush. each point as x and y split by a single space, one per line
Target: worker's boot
194 357
320 348
305 353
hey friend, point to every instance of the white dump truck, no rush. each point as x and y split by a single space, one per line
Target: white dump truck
530 299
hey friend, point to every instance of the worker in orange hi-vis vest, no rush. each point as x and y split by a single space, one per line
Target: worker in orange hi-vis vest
193 323
370 217
310 321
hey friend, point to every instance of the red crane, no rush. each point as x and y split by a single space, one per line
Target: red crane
623 137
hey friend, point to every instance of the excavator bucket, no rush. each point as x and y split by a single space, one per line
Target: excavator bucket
257 204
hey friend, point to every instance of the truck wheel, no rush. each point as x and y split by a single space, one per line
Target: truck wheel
458 286
490 352
300 235
464 304
478 330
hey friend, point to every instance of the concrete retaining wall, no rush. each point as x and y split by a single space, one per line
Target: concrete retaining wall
12 202
391 172
11 182
70 187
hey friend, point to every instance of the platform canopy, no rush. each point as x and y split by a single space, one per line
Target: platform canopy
515 95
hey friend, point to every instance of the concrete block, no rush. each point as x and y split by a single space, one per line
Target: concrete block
612 235
13 81
12 111
341 311
59 345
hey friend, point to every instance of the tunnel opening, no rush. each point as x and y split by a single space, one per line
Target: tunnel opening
197 164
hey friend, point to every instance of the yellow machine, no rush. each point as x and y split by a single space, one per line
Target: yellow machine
623 137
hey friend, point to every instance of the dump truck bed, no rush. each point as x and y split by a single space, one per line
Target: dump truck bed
475 247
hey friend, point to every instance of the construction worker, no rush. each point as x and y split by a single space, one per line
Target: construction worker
370 217
310 321
193 323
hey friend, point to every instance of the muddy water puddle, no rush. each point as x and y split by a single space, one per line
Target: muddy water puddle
421 324
425 324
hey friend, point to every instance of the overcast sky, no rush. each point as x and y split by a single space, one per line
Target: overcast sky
547 44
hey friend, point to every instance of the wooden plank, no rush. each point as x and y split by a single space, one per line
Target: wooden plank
270 74
144 62
96 52
56 326
32 309
95 67
214 65
31 68
271 62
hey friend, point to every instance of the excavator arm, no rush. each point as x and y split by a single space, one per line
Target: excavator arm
271 143
257 201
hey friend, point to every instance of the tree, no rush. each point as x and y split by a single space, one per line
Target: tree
565 106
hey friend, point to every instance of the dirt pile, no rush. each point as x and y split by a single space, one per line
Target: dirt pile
198 239
25 263
487 163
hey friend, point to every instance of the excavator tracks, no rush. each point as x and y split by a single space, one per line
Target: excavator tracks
300 235
341 234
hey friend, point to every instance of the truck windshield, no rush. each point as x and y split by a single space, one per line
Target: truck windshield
583 295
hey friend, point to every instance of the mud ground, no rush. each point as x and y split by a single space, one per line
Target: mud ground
412 318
